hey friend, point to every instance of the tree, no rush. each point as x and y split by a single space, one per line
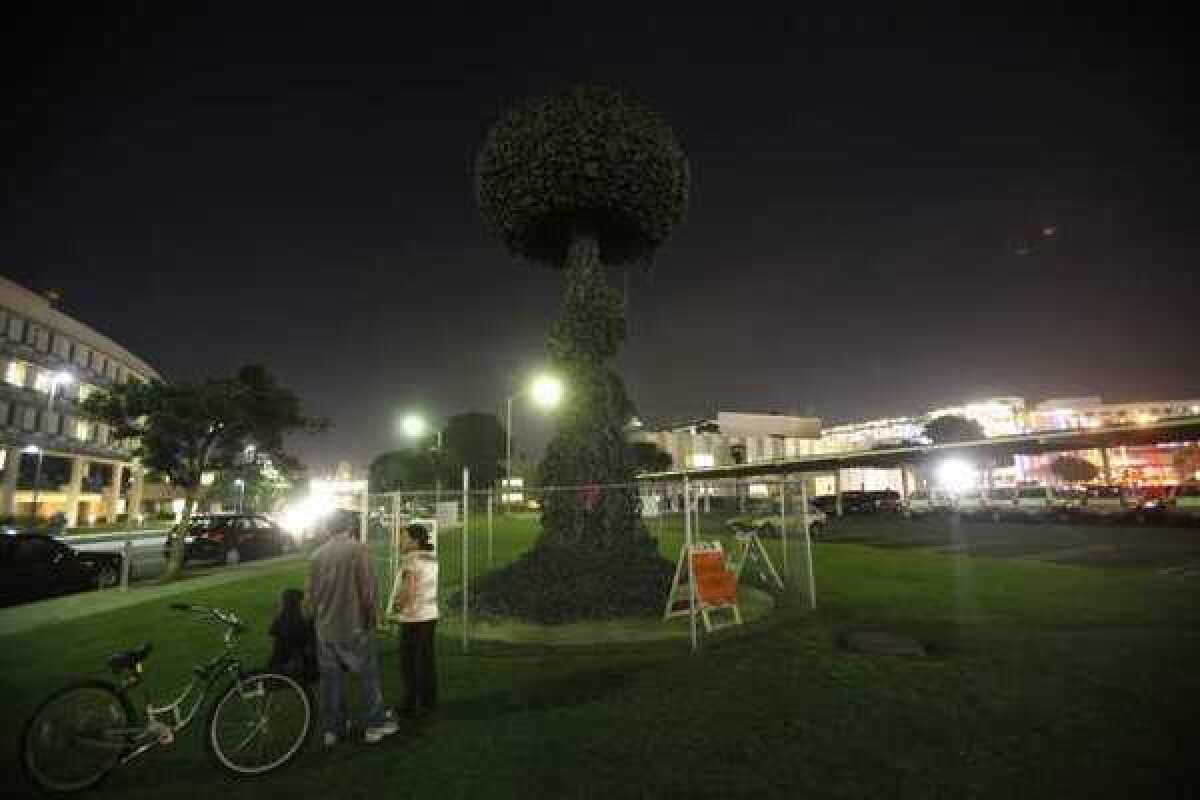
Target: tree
1073 469
1186 461
580 180
953 428
184 429
476 441
400 470
264 483
649 457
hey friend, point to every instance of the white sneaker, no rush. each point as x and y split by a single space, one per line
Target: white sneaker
330 739
376 733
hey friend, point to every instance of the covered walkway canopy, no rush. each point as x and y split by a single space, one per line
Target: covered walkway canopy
1183 429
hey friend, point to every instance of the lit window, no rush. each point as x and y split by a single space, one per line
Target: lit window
702 460
43 381
15 374
83 430
85 389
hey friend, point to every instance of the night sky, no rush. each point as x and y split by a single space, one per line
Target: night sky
886 214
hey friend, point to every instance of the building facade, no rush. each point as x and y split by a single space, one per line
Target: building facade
54 460
733 438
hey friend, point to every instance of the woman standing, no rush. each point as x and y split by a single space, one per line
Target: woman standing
415 608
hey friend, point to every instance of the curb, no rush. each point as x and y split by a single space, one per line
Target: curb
30 616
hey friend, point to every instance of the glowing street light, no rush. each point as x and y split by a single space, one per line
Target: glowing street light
956 475
413 425
546 392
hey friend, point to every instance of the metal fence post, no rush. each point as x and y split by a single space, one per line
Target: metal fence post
126 563
466 581
783 537
687 554
812 585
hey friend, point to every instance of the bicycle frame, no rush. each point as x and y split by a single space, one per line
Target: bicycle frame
162 723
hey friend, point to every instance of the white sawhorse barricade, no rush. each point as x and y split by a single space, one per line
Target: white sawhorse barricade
704 583
749 549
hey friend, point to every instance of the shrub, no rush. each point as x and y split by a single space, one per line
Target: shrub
555 584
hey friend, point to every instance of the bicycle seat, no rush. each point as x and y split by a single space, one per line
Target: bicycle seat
129 659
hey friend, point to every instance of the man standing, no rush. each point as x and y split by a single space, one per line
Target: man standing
341 591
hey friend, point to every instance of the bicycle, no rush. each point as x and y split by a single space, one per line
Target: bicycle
257 723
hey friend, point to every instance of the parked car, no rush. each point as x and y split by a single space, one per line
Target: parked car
887 501
971 503
1107 502
1152 503
921 502
1044 502
230 538
1001 502
767 527
1184 502
34 566
858 502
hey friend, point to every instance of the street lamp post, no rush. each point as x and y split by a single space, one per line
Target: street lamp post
546 391
59 378
414 426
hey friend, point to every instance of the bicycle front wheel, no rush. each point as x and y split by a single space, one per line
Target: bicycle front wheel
76 736
259 723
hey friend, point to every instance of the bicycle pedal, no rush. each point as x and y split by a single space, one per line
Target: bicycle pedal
161 732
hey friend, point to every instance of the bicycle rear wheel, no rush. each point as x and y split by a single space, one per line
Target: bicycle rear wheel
259 723
76 736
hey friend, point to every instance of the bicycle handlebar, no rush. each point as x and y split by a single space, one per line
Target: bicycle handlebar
227 618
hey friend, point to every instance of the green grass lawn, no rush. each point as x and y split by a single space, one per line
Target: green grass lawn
1044 680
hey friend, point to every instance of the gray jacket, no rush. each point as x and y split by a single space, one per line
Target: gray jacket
341 589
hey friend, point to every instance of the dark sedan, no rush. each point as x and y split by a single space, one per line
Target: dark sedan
34 566
230 538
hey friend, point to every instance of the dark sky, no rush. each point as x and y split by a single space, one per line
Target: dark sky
865 232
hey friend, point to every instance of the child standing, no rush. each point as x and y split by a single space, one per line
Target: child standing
295 649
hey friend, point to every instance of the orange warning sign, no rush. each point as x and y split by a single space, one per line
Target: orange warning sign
715 584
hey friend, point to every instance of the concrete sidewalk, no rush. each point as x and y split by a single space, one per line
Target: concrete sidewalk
29 616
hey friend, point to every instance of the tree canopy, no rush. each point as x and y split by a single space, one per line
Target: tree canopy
183 429
584 157
953 428
1186 461
649 457
1073 469
402 470
477 441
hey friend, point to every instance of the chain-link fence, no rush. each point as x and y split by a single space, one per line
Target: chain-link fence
759 530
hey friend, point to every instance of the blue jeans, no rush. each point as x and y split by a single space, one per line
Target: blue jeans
356 655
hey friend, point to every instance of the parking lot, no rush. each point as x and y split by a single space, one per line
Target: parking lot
1170 550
